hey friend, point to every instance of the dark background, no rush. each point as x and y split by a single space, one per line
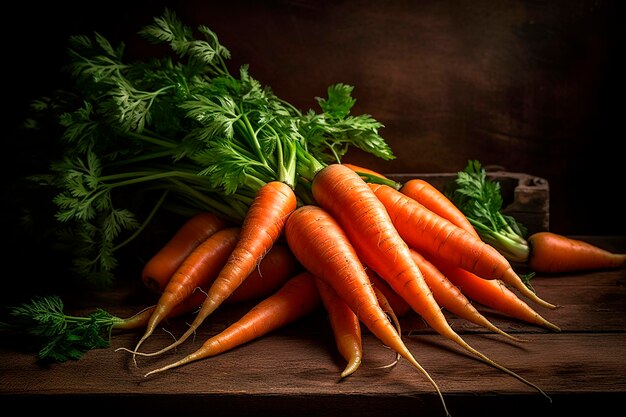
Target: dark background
532 86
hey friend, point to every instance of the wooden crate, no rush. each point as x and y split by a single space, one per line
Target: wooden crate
525 197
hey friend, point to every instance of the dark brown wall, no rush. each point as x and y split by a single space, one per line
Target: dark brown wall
533 86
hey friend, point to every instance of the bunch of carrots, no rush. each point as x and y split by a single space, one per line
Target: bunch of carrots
311 231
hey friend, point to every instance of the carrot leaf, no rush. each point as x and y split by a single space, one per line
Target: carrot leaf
480 199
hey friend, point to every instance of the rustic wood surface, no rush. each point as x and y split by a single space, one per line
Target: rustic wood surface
294 371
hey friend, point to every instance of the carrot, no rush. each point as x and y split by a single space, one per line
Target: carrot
451 298
274 270
430 197
322 247
199 267
364 218
492 293
346 327
433 235
160 268
296 298
261 228
397 303
554 253
362 170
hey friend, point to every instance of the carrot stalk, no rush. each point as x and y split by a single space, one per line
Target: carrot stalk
261 228
431 234
322 247
346 327
378 243
296 298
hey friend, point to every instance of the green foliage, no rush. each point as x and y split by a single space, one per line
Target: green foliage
178 130
59 337
480 199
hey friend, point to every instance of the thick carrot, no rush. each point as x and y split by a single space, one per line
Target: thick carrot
274 270
450 296
431 234
296 298
351 201
554 253
345 325
201 266
160 268
430 197
492 293
322 247
261 228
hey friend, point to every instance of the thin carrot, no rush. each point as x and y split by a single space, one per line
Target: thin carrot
554 253
345 325
397 303
430 197
365 220
201 266
388 309
276 267
160 268
451 298
322 247
431 234
296 298
273 271
262 226
492 293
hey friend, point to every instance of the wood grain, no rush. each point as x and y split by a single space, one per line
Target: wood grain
294 371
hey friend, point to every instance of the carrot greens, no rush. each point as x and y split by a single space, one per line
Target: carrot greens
179 132
480 199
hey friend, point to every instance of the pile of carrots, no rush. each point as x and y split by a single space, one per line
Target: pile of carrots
367 252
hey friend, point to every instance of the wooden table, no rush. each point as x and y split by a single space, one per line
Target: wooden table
294 371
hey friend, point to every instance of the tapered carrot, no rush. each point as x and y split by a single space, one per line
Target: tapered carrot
397 303
160 268
345 325
492 293
262 226
322 247
201 266
349 199
431 234
554 253
296 298
430 197
451 298
273 271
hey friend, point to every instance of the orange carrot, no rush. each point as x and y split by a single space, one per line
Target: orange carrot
554 253
430 197
201 266
362 170
346 327
451 298
261 228
322 247
433 235
397 303
492 293
296 298
160 268
274 270
355 206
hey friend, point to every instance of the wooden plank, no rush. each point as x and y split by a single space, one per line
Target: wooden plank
295 370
